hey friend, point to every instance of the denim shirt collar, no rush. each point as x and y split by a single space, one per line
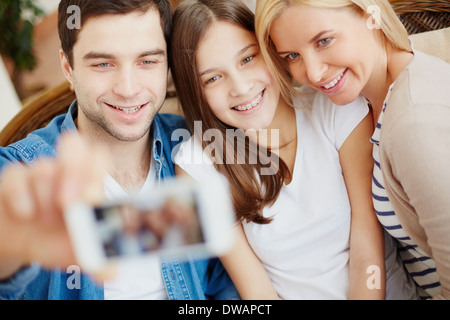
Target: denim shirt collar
157 144
69 122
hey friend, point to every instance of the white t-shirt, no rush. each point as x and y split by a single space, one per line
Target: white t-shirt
305 249
138 278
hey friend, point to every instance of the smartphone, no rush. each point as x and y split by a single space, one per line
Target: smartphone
181 217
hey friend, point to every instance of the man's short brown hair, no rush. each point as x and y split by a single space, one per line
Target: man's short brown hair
95 8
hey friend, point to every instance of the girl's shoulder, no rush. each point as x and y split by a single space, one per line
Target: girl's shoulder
327 118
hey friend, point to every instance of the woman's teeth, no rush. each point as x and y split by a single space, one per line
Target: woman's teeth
250 105
334 82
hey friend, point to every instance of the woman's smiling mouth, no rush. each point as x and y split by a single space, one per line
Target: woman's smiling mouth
334 85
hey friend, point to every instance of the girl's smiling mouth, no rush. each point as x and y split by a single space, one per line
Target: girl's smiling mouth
252 104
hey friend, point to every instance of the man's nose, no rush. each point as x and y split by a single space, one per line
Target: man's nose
126 84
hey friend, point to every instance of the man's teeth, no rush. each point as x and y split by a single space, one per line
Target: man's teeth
334 82
250 105
128 110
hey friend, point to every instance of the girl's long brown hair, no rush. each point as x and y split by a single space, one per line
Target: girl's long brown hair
251 190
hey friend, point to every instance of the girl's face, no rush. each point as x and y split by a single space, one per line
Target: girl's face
332 50
235 79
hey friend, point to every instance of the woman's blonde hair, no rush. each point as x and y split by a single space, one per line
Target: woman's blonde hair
267 11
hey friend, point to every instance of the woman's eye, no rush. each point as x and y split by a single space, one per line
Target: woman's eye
147 62
292 57
324 42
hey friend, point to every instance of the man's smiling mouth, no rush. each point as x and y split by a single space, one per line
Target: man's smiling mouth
127 110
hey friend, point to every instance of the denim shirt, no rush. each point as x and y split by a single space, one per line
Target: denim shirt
185 279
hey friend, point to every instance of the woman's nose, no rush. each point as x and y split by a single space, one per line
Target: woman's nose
315 67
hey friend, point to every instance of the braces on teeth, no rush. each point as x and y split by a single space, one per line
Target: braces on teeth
250 105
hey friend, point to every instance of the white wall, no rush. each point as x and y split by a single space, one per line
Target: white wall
48 5
9 101
251 4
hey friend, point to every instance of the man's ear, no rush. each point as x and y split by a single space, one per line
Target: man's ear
66 68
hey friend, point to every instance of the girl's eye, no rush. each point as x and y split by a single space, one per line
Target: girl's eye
212 80
247 59
324 42
147 62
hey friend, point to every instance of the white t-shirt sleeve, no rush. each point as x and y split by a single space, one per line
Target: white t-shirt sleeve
191 158
348 117
339 121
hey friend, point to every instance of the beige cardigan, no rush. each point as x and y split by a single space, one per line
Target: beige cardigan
415 157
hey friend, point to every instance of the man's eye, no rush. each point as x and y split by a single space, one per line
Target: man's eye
103 65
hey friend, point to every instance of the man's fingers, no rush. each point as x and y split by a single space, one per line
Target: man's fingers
71 166
81 171
52 249
94 191
16 194
33 198
43 184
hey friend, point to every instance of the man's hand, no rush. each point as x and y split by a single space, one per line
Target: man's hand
33 199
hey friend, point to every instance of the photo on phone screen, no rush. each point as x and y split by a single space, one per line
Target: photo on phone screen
181 217
127 229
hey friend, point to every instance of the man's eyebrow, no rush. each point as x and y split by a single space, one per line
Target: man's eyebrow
97 55
101 55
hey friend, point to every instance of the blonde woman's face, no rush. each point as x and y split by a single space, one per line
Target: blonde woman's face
235 79
331 50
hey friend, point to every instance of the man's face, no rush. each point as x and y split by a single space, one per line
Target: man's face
119 74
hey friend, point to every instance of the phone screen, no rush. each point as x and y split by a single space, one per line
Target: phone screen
165 223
